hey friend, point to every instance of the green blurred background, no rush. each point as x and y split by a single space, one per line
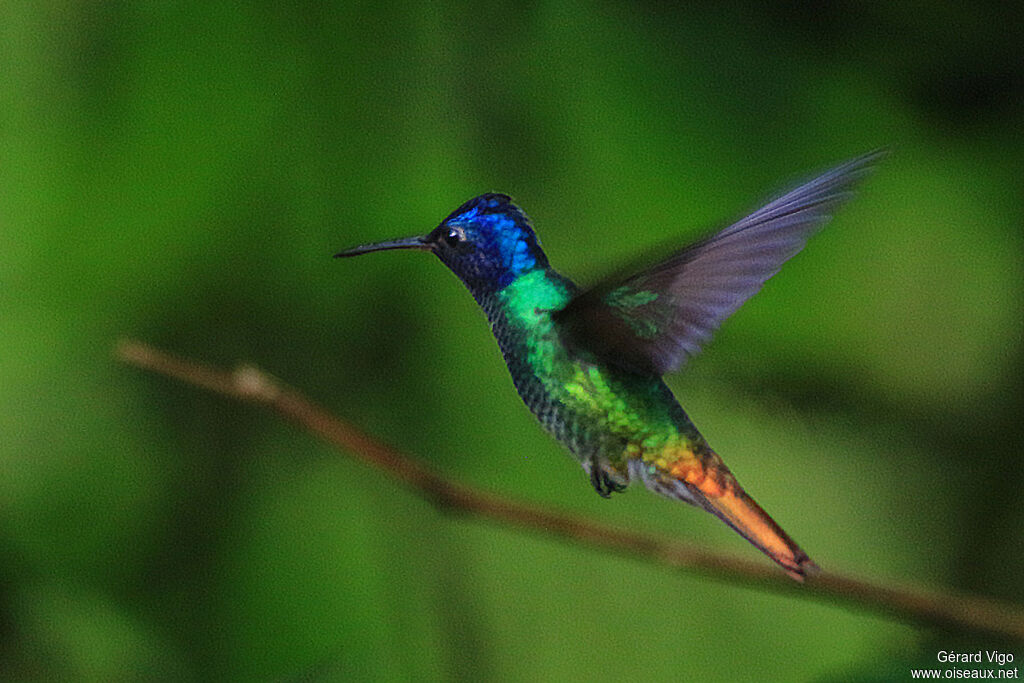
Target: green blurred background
182 173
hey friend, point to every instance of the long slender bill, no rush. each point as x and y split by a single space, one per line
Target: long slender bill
403 243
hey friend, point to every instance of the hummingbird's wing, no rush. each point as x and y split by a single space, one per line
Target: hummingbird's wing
653 320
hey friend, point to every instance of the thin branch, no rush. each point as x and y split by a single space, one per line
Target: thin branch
960 611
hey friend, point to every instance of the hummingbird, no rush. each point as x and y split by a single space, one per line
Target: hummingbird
589 362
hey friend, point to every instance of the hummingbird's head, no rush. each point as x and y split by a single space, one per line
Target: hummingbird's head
487 242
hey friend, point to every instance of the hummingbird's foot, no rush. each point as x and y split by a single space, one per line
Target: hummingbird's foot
602 481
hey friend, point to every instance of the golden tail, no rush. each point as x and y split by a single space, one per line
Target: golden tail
742 513
706 482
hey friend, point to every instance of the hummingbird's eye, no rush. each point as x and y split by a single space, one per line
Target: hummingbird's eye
454 237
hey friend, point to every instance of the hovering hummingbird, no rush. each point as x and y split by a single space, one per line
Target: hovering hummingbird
588 363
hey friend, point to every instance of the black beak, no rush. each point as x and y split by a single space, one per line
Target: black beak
420 243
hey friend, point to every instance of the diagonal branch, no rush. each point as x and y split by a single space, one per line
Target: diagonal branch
960 611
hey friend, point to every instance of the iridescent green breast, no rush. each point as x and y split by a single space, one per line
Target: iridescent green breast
593 408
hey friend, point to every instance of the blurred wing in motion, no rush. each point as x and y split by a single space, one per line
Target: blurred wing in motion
652 321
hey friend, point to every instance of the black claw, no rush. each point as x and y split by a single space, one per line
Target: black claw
603 482
597 479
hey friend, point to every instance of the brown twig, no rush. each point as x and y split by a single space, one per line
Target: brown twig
939 609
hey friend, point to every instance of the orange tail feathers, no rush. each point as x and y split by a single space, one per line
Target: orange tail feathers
742 513
706 482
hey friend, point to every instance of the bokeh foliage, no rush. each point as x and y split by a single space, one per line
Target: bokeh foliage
182 172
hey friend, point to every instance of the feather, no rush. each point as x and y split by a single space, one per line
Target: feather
654 320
